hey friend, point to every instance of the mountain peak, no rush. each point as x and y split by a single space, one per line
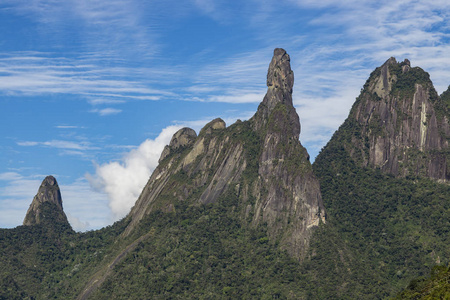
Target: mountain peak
402 123
46 205
277 102
280 75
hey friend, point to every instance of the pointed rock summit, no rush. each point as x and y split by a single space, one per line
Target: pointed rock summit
399 124
257 168
46 206
280 81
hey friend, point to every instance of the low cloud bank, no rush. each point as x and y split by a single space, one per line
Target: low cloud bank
124 180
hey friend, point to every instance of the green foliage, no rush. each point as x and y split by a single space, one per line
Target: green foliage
386 230
203 252
48 261
446 98
405 84
436 286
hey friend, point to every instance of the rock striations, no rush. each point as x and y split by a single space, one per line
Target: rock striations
257 166
46 207
400 124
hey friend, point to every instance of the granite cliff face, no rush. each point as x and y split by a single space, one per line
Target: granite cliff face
258 166
46 207
400 124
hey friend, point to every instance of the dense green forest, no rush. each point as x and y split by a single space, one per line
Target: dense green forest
197 252
435 286
381 231
383 235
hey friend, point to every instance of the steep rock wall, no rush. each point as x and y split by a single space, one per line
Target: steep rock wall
404 125
258 165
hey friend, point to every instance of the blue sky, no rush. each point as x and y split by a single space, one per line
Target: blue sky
91 91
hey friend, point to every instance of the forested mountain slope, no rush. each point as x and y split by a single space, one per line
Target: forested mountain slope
382 179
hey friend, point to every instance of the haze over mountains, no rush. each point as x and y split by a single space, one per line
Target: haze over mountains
239 211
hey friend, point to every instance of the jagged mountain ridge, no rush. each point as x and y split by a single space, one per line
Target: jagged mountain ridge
400 124
201 226
259 163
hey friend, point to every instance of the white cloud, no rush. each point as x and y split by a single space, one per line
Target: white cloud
9 176
37 73
27 143
77 224
85 207
238 97
106 111
60 144
123 181
67 127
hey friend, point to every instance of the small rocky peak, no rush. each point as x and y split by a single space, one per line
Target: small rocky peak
278 99
48 193
406 66
382 84
182 138
215 124
390 61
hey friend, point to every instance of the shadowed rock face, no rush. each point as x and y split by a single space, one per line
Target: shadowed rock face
403 123
258 165
47 198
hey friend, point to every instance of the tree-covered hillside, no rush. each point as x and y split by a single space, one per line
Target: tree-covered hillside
381 231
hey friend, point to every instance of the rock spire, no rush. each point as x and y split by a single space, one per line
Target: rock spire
46 205
257 167
280 81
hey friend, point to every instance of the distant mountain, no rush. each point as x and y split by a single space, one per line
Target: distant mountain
399 124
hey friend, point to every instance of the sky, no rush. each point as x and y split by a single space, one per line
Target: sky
92 90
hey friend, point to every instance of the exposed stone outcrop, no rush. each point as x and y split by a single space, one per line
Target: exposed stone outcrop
182 138
292 193
213 125
258 165
46 206
404 124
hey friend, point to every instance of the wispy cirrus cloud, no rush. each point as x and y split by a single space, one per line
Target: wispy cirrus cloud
34 74
83 145
107 26
237 79
106 111
17 193
68 127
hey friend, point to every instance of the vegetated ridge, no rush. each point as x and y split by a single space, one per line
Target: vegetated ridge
384 181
